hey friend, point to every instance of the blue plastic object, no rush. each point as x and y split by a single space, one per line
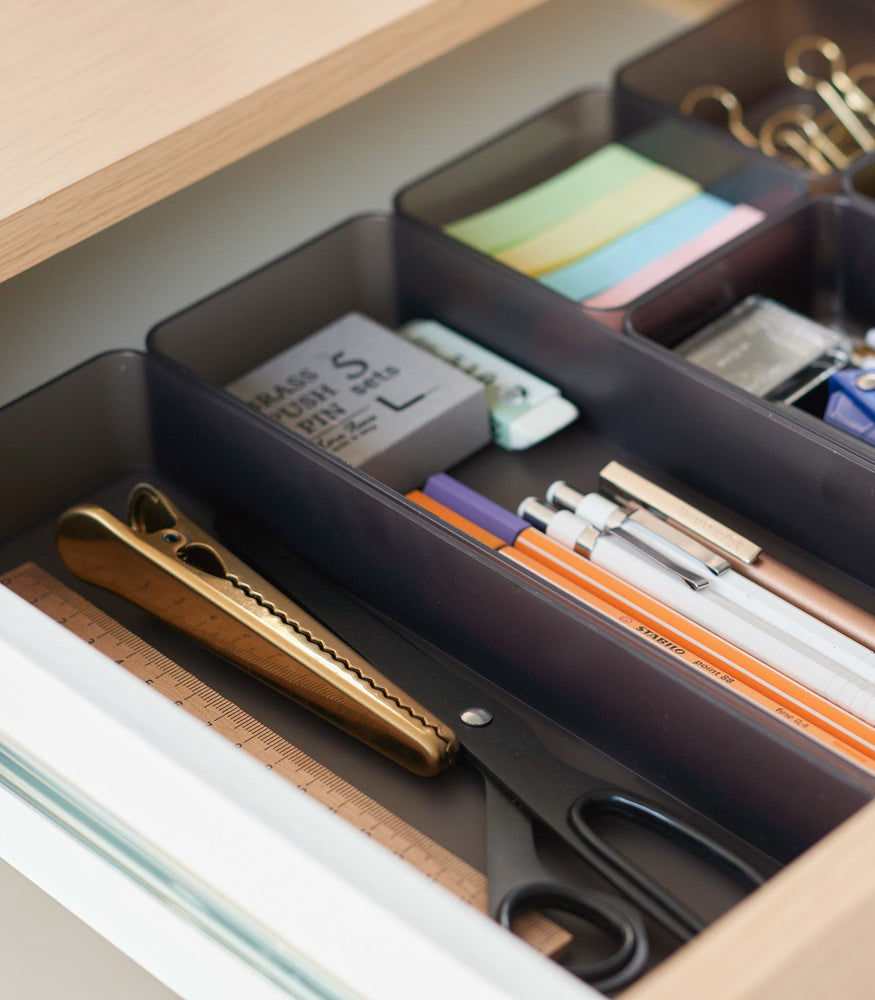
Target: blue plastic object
850 407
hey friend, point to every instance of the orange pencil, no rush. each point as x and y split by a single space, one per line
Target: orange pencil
693 645
631 601
801 718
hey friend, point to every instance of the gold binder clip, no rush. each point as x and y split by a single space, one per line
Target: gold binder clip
729 102
859 99
848 82
166 564
810 142
838 91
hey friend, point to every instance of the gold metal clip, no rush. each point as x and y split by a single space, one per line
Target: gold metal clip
166 564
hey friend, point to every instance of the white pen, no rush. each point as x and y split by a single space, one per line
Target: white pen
619 554
749 597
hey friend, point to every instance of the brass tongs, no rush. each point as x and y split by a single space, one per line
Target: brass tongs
167 565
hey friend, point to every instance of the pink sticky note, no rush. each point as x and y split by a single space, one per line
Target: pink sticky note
740 219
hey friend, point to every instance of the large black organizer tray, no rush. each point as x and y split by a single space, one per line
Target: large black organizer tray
124 417
714 751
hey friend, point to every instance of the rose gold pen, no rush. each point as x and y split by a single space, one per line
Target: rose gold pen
744 556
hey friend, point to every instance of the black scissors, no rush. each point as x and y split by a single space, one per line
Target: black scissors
525 782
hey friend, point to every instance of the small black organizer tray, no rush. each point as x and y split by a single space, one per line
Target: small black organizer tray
566 132
742 49
809 252
125 417
814 258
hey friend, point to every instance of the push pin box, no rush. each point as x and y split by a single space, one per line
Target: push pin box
366 395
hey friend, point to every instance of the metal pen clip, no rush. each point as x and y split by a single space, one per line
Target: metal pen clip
546 518
617 525
565 497
715 563
623 485
164 563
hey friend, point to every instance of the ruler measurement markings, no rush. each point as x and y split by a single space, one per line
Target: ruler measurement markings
198 699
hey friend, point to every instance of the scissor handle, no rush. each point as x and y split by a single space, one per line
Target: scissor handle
624 925
636 884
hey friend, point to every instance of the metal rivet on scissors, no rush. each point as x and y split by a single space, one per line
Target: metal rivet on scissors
476 716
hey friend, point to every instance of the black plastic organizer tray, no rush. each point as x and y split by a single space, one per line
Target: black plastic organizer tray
815 259
125 417
742 49
635 396
729 759
566 132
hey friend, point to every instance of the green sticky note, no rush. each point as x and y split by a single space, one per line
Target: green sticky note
638 201
527 214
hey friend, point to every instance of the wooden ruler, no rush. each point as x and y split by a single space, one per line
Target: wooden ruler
198 699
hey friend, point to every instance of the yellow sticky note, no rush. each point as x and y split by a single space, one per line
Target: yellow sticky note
635 203
525 215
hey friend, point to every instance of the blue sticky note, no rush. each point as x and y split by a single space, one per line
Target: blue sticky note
628 254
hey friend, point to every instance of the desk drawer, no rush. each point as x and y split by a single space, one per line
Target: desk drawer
129 416
135 410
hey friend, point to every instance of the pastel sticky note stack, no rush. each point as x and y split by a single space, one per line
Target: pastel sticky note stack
589 228
629 253
663 267
607 228
520 218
